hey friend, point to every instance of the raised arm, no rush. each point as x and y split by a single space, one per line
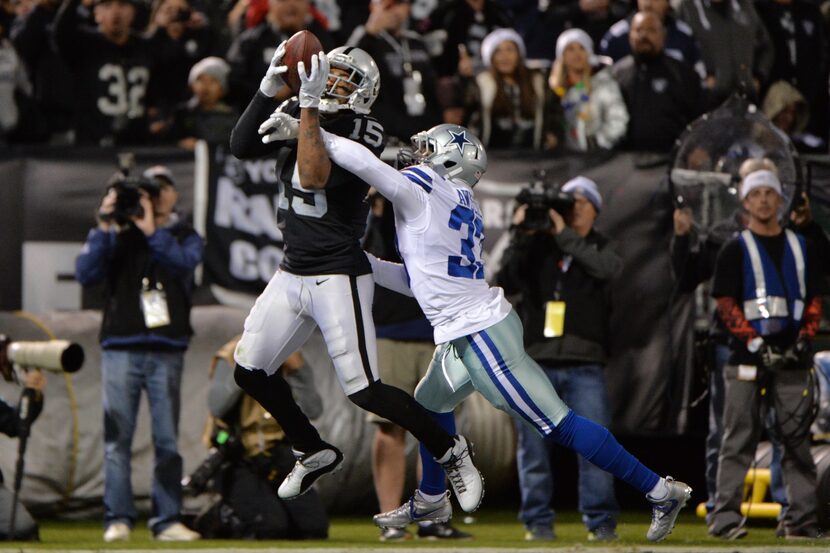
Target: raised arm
407 198
317 149
313 163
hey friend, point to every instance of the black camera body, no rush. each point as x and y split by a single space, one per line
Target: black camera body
128 198
182 15
225 449
539 198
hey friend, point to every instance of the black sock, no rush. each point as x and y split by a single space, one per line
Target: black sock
274 394
401 408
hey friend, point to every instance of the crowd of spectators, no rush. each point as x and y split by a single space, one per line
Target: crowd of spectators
572 75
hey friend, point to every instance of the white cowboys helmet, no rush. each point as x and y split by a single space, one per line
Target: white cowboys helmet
363 78
451 150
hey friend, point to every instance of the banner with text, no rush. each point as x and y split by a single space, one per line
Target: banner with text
240 222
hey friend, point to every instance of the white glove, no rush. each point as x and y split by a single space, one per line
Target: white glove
279 126
272 82
313 85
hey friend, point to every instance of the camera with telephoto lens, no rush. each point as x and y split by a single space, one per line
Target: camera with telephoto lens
50 355
128 192
539 197
224 450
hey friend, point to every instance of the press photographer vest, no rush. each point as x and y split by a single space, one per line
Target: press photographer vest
123 324
772 305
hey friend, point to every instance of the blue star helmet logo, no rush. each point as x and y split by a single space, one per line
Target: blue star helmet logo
459 139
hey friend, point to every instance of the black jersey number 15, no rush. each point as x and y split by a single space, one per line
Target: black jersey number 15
367 130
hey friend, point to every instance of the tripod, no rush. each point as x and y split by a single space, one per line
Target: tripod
25 417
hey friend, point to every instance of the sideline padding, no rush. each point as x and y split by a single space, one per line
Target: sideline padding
64 469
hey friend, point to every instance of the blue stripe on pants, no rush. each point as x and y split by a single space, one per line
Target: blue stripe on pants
516 384
485 363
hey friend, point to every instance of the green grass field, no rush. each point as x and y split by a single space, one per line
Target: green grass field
498 530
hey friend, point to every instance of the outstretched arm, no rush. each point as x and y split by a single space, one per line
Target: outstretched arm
407 198
313 161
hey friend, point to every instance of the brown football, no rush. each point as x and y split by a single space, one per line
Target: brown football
299 48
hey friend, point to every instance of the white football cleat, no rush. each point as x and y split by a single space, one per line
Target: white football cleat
308 468
466 480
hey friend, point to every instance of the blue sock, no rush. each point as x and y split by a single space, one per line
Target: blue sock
599 446
433 478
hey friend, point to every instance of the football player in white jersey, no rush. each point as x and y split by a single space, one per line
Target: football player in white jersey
479 336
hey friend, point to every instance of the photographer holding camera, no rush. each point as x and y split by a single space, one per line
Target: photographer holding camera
768 287
250 457
25 528
145 255
562 267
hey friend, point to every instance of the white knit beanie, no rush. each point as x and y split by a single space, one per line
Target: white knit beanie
214 66
586 187
492 40
575 35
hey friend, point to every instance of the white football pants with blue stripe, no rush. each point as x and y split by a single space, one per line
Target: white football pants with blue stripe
493 362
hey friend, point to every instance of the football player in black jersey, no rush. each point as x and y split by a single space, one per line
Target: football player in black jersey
325 278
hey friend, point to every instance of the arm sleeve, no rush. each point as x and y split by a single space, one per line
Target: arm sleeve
91 264
359 160
179 257
602 264
245 140
390 275
733 318
811 319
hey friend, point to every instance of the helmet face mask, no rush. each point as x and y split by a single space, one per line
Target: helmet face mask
452 151
357 73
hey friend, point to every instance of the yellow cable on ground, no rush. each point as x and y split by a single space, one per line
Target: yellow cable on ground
73 407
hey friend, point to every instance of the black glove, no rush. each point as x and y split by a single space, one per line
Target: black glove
770 358
801 354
